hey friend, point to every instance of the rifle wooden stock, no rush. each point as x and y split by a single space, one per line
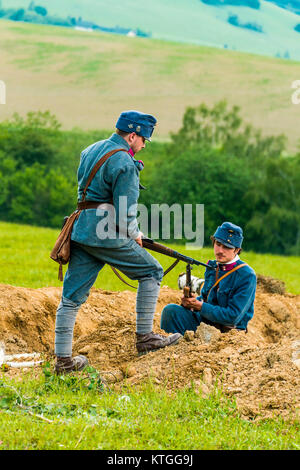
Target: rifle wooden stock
187 290
158 247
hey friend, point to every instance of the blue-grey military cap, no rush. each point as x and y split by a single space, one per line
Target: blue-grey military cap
135 121
229 235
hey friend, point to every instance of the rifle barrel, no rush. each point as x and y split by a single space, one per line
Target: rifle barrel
159 248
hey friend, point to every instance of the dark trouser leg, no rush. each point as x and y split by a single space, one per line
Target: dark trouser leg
177 319
80 277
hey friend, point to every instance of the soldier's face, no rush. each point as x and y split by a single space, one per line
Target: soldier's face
224 254
136 142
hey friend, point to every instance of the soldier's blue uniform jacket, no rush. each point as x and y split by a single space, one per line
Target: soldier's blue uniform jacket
118 176
232 304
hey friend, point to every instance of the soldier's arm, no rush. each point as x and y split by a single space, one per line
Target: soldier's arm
125 187
239 303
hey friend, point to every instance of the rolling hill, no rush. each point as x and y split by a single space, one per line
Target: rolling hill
87 79
268 29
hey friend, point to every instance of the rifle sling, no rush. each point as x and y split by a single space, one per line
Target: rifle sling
171 267
123 280
120 277
97 167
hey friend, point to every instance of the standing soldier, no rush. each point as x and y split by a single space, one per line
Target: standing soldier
91 247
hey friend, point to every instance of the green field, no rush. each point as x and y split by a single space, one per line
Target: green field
25 250
86 80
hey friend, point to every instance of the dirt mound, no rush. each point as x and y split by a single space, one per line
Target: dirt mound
260 368
270 284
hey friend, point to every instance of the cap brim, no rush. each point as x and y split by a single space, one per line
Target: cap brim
225 243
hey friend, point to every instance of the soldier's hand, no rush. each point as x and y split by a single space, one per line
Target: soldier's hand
191 303
139 241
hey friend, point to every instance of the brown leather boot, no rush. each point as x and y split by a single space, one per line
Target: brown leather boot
152 342
65 365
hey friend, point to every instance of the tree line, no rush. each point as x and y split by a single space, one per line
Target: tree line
214 159
38 14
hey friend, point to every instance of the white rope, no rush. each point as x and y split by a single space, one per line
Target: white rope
9 359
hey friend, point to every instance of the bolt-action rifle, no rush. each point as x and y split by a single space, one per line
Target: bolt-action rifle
159 248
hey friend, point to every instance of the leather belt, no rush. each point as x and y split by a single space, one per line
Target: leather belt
90 204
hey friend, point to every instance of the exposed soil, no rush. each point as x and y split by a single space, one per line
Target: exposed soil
260 368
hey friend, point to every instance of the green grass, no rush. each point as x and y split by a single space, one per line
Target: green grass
71 413
25 250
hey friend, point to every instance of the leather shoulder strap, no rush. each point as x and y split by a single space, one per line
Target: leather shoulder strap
225 275
96 168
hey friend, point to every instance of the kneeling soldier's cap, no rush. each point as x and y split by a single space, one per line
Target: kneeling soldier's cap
140 123
229 235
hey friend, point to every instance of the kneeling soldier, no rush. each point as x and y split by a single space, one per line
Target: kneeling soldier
227 296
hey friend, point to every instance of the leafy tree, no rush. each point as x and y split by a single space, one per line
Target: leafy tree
206 176
17 15
38 168
30 140
37 196
223 128
275 222
7 168
41 10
